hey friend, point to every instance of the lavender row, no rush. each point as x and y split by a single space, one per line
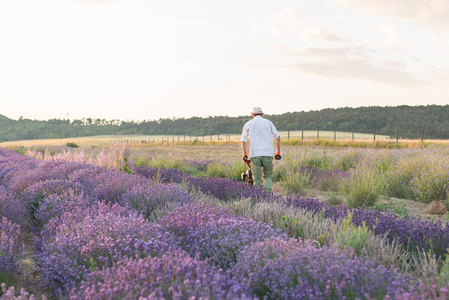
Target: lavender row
261 263
90 247
214 233
74 244
412 232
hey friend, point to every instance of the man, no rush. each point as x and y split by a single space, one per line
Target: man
261 133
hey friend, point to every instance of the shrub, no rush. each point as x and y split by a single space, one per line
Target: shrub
295 222
335 200
107 185
216 169
412 233
224 189
363 186
329 180
348 160
11 251
215 233
72 245
260 211
29 177
53 205
296 182
146 199
173 276
308 227
231 170
10 294
348 235
50 191
279 269
72 145
443 275
162 175
11 207
387 253
431 184
420 175
429 292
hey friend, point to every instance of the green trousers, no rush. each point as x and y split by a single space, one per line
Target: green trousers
262 166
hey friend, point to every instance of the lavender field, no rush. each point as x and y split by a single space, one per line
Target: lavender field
113 225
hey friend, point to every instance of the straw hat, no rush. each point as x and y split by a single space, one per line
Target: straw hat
256 111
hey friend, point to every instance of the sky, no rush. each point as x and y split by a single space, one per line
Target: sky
151 59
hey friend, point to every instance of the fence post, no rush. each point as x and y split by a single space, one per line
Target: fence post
374 134
335 135
288 135
302 135
318 134
397 135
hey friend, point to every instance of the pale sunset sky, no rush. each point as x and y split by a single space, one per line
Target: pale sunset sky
147 59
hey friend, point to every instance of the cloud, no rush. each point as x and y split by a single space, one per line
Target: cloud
441 74
288 20
391 37
321 34
348 63
432 13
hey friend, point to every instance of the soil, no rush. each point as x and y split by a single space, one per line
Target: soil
31 283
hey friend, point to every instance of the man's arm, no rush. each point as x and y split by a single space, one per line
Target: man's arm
244 149
278 145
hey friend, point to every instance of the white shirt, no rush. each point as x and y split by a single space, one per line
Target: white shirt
261 133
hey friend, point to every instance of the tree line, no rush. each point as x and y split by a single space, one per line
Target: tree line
430 122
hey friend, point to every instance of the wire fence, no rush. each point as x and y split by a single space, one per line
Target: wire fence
285 135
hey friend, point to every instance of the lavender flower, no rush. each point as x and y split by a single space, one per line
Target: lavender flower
107 185
279 269
215 233
172 276
11 207
412 233
145 199
11 251
72 245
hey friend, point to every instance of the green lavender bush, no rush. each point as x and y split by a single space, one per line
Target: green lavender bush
363 186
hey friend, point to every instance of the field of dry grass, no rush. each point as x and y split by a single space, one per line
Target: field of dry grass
97 141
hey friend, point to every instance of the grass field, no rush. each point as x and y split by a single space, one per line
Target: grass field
101 140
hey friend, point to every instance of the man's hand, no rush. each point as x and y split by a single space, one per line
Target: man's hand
246 159
277 156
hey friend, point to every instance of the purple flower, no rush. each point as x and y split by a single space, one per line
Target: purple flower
172 276
11 251
145 199
72 245
215 233
280 269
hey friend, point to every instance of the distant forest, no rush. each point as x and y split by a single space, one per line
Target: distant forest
431 121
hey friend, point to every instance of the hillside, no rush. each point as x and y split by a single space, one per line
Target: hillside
431 121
